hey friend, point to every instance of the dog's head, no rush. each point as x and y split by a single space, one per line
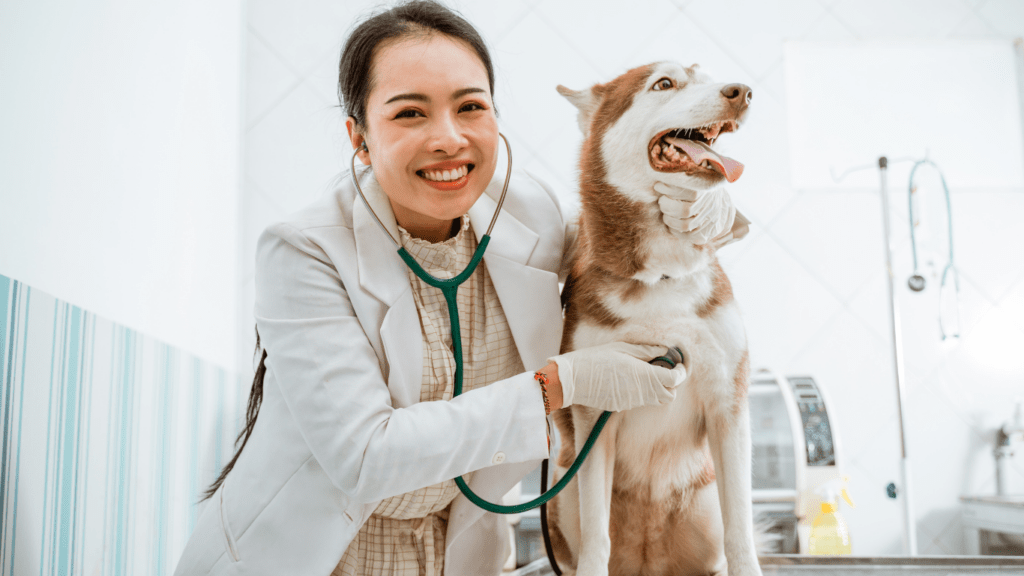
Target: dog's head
660 122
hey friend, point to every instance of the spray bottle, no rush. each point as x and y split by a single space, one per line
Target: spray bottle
829 533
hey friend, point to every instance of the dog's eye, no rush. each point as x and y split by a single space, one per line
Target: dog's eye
663 84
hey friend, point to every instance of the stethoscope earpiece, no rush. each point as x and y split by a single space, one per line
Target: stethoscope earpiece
363 147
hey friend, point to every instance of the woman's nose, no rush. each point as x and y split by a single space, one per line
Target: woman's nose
447 136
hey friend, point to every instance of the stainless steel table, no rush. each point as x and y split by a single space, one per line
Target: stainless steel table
1002 515
800 565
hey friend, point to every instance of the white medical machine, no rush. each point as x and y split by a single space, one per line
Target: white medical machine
794 449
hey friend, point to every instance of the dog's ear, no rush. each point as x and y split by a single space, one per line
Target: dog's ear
586 101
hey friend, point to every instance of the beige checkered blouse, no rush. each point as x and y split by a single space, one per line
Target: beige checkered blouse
405 535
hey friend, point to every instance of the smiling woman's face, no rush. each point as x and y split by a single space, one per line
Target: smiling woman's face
431 131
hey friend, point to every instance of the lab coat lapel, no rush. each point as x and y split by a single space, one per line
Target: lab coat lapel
381 270
383 274
528 296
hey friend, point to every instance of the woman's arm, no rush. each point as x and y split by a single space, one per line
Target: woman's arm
319 355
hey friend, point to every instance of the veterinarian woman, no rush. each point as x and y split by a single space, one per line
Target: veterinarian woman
348 468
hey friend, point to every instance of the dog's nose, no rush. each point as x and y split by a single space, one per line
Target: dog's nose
737 94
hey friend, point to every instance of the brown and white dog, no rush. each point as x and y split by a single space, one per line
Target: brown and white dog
666 489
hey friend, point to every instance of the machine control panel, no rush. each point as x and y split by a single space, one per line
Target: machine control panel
817 430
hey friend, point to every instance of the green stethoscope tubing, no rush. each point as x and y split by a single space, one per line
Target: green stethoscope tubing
449 288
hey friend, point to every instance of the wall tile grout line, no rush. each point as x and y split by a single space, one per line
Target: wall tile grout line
292 86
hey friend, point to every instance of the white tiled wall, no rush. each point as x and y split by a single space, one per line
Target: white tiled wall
810 274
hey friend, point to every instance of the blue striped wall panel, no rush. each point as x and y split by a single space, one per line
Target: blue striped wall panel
108 439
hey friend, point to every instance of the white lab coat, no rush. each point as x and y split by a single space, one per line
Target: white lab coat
341 426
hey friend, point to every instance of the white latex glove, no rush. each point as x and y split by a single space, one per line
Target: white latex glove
616 376
710 218
740 227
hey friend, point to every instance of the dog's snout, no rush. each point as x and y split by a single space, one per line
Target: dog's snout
737 94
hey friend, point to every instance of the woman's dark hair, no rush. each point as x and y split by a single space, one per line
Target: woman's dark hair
412 19
419 18
255 399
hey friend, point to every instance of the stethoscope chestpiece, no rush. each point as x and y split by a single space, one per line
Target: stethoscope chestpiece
916 282
672 357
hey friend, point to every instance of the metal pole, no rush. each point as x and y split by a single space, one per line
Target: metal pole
909 522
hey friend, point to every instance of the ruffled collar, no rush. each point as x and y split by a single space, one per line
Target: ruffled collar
436 255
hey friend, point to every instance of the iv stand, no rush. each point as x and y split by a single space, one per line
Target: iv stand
909 522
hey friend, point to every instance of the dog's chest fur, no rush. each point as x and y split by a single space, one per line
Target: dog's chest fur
660 450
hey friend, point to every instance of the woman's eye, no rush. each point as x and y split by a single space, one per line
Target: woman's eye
471 107
408 114
663 84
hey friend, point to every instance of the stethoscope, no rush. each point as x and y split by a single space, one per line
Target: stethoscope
449 287
917 281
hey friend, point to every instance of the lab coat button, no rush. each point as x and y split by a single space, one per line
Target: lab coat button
498 458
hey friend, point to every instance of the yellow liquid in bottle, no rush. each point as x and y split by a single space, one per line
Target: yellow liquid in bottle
829 535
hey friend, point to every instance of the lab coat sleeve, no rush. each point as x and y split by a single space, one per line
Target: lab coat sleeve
332 385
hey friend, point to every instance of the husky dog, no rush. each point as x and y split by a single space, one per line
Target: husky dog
666 489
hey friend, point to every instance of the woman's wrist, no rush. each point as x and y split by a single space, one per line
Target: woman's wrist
553 385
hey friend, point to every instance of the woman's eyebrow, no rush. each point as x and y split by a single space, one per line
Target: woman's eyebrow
417 97
472 90
424 98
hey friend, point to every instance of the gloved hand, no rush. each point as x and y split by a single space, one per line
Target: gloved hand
709 219
616 376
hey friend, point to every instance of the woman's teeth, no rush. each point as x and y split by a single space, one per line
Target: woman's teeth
446 175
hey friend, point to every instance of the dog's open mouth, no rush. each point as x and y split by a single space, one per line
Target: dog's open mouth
689 150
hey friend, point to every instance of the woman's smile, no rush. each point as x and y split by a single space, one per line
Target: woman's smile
450 175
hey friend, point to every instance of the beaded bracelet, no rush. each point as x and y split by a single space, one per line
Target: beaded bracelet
543 379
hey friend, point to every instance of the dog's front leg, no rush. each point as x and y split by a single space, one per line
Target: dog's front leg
595 491
728 420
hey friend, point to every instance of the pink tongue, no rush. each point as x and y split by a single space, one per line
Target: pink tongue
699 152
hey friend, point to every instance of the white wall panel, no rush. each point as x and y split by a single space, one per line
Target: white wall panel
120 161
956 100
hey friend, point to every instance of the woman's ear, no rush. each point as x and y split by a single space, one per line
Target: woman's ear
357 138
